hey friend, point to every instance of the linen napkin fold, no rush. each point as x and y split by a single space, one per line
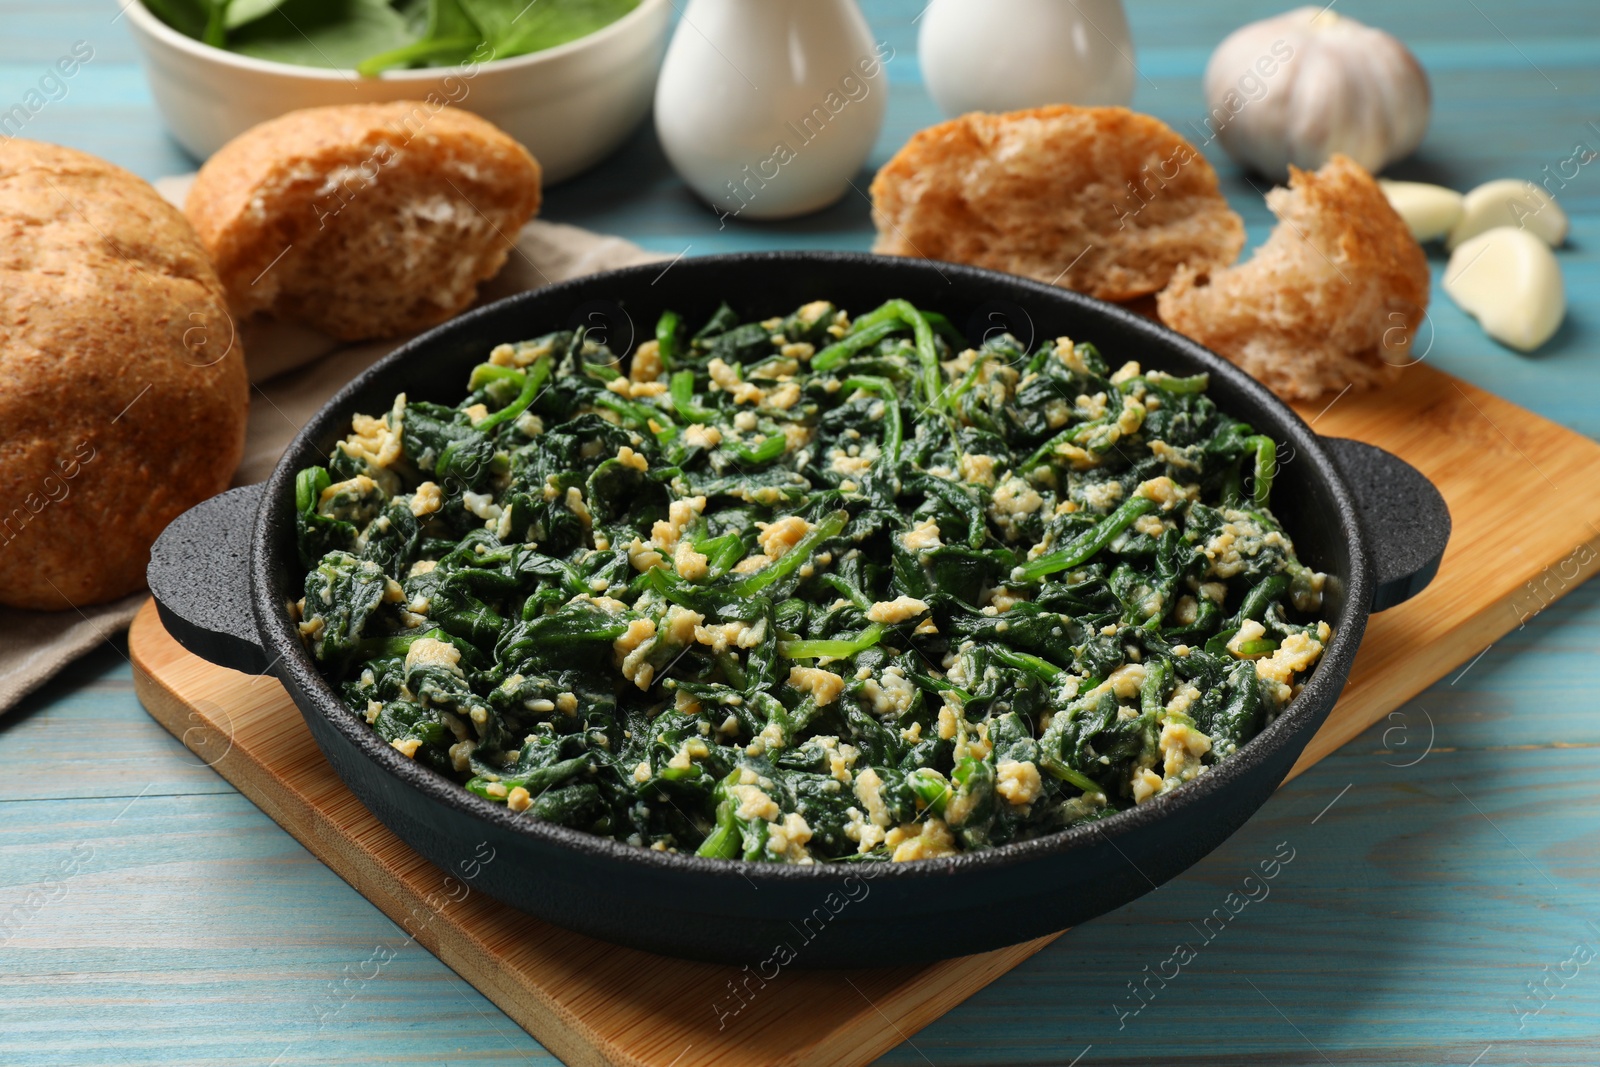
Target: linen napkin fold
293 371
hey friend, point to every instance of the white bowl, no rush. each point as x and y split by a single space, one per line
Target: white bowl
570 105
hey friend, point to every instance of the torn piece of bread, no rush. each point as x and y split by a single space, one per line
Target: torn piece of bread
1099 199
365 220
1332 298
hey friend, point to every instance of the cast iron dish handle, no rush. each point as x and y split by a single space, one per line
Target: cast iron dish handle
1404 521
200 575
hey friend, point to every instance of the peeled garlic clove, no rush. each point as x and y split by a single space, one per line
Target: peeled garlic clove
1510 202
1508 280
1429 211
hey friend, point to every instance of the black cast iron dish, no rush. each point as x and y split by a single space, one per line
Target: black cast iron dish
224 573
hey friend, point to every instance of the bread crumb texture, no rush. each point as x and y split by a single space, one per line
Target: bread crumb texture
1333 298
122 383
1102 200
364 220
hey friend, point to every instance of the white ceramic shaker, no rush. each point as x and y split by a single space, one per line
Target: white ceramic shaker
769 108
1004 55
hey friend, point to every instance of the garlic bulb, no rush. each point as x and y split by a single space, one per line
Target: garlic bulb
1306 84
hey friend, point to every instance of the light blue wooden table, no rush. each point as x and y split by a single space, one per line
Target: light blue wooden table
1443 902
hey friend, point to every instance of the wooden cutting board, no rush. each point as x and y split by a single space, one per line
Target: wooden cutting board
1527 530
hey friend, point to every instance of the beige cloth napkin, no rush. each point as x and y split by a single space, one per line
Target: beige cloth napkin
293 371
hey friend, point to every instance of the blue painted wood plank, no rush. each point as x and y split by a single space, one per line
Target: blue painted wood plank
93 744
189 928
150 915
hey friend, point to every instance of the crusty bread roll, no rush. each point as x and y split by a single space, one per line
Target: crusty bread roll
122 385
363 220
1332 298
1099 199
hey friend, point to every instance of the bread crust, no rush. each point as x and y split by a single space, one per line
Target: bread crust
122 386
366 220
1333 298
1102 200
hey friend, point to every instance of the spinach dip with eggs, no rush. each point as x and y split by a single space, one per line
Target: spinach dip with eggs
809 589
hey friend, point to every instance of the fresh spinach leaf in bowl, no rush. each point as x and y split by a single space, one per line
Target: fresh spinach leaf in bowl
372 36
808 589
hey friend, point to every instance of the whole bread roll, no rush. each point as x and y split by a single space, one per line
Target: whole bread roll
1102 200
122 386
363 220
